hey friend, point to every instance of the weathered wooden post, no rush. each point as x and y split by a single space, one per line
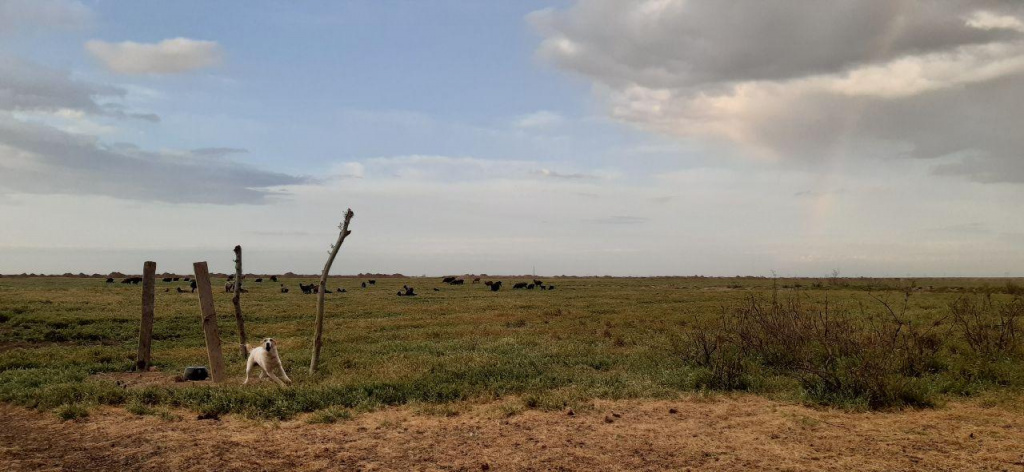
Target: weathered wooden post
318 333
142 359
237 301
209 322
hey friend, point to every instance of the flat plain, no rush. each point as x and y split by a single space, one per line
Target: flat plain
599 373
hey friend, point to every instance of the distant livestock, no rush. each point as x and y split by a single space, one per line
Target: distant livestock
488 283
519 285
476 280
259 280
273 278
448 280
437 289
458 282
341 290
177 279
372 282
406 291
364 284
132 280
110 280
495 286
167 279
187 279
284 289
179 289
306 289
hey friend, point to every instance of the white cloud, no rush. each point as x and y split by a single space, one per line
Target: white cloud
540 119
28 15
170 56
885 79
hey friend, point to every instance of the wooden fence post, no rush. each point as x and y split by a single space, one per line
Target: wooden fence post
237 301
209 321
142 359
319 329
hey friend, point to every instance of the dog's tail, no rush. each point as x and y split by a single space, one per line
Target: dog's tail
248 348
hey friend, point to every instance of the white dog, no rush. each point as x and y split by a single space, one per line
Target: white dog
267 358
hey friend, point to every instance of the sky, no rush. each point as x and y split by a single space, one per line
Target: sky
587 137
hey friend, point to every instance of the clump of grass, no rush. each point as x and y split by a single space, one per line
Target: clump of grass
329 416
72 412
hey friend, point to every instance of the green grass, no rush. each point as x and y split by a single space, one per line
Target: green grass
590 338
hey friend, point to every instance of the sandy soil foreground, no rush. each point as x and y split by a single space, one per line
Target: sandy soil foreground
729 433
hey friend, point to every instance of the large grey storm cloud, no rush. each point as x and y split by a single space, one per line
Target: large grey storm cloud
810 82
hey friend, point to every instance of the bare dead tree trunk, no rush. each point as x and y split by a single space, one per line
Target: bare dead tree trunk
237 301
318 333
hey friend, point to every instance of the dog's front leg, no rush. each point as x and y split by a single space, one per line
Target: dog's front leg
248 368
274 377
283 373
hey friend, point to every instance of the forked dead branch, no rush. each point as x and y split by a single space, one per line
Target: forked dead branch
318 333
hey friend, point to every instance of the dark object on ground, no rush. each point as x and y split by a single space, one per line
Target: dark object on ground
186 279
180 290
306 289
284 289
372 282
437 289
273 278
408 292
177 279
341 290
166 279
259 280
551 287
193 285
496 286
447 280
208 416
196 373
364 284
519 285
110 280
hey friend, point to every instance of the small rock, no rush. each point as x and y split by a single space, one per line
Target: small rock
608 419
972 435
485 466
616 415
208 416
672 411
570 412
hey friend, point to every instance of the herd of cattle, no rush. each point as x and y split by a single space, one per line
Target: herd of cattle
309 289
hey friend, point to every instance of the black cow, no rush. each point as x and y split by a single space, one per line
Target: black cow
306 289
530 287
372 282
448 280
273 278
458 282
408 292
519 285
110 280
259 280
231 277
496 286
437 289
177 279
551 287
167 279
193 285
364 284
187 279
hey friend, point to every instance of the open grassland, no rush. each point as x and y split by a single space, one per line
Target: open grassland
854 343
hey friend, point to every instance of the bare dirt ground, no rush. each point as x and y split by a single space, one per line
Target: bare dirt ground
728 433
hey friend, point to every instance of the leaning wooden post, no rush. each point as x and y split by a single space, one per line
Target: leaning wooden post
318 334
237 301
148 303
209 321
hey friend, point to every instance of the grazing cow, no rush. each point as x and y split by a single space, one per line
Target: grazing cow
551 287
167 279
231 277
519 285
437 289
177 279
496 286
530 287
488 283
458 282
306 289
273 278
537 282
372 282
192 284
407 292
448 280
476 280
259 280
229 287
284 289
180 290
187 279
110 280
364 284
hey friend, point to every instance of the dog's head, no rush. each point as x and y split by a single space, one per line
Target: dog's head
269 344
